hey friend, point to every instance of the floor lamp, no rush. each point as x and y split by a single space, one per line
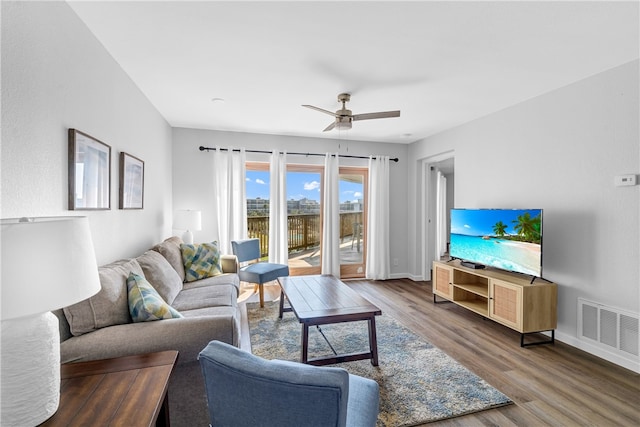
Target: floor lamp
61 251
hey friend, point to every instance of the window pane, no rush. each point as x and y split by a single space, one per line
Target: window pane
303 208
351 189
303 215
257 184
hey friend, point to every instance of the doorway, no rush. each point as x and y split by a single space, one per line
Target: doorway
438 200
305 218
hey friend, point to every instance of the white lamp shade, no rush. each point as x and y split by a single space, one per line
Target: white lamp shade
47 264
187 220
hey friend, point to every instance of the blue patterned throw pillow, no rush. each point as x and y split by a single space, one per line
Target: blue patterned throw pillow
145 304
200 261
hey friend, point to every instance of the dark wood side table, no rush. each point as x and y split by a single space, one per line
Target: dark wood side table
124 391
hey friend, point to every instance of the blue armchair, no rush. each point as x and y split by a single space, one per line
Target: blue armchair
246 390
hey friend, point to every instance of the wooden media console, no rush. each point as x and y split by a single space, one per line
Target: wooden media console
507 298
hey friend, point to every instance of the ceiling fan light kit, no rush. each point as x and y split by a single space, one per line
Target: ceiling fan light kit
342 123
344 118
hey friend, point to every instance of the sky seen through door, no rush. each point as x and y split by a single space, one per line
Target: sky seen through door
300 185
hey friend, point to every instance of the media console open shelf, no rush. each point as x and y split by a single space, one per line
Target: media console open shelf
507 298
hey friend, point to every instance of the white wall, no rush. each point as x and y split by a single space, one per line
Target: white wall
559 152
55 76
193 176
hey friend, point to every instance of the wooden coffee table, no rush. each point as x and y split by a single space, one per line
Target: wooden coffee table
322 300
125 391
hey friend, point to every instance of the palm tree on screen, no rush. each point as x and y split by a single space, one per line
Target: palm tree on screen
528 228
499 228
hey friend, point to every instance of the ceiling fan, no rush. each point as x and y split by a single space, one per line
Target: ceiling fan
344 118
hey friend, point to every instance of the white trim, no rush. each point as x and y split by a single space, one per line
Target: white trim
427 250
598 351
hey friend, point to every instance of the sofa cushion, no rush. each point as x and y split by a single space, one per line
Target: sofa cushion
208 296
63 325
108 307
200 260
161 275
145 304
170 249
221 279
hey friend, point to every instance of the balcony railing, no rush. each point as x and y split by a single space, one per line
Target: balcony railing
303 230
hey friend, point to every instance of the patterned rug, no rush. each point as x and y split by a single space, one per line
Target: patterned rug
418 382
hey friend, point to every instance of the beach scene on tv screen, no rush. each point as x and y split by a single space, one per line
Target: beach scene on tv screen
507 239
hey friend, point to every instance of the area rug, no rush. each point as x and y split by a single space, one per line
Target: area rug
418 382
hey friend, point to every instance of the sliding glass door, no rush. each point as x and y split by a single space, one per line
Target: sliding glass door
304 216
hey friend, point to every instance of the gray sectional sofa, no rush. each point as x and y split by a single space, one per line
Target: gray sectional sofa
101 326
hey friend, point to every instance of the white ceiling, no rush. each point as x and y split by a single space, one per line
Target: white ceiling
441 63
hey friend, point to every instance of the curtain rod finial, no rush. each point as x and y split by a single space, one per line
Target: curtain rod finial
202 148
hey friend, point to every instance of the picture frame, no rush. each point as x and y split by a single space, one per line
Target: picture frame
131 187
89 167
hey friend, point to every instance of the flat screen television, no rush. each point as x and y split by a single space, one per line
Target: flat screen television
509 239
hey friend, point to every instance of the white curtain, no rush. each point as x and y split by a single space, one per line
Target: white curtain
278 246
229 174
331 215
378 265
441 215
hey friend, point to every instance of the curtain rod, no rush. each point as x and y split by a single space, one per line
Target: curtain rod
295 154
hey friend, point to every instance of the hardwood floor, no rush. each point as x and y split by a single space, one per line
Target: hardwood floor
555 385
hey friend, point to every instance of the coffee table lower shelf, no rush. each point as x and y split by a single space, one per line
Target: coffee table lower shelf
339 358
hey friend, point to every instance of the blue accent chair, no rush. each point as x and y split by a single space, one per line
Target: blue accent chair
246 390
257 272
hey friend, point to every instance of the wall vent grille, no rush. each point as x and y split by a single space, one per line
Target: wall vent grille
608 327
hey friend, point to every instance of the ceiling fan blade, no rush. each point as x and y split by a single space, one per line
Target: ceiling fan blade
331 113
380 115
331 126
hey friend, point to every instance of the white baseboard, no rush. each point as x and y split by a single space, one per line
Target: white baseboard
398 276
562 337
597 351
413 277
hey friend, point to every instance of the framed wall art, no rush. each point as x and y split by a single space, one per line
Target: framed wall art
131 182
89 172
